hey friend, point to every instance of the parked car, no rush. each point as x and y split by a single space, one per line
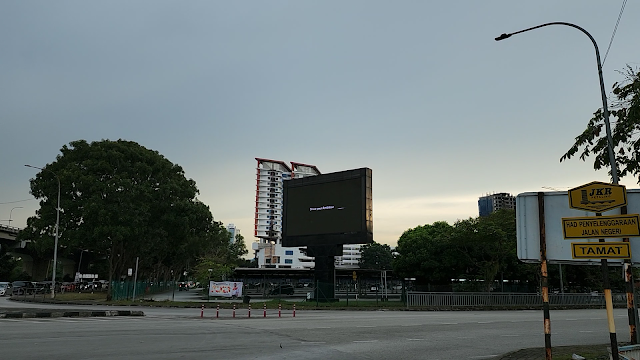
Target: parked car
21 288
282 290
182 286
5 288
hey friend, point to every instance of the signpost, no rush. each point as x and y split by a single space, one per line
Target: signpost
607 250
597 197
617 226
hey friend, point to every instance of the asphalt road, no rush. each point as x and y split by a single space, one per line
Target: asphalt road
181 333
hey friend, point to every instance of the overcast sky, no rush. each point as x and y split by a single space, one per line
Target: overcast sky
418 91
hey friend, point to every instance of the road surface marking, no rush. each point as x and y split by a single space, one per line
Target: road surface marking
417 339
365 326
365 341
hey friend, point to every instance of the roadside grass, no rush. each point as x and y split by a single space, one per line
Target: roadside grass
73 296
270 303
273 303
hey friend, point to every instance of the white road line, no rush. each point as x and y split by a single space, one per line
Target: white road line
485 322
312 342
510 335
586 331
416 339
365 341
365 326
448 324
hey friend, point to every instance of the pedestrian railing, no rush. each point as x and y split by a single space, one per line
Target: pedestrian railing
436 299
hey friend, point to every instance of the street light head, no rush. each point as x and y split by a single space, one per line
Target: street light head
503 36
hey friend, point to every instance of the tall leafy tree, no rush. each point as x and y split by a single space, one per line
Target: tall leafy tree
220 257
376 256
7 263
486 243
425 252
120 200
625 109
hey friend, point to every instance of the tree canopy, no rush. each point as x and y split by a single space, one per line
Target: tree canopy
472 249
626 111
121 200
375 256
424 252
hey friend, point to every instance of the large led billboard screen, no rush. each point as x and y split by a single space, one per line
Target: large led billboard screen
327 209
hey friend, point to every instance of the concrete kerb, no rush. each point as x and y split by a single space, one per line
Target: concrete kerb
39 313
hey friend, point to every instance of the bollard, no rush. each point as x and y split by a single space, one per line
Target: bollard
249 314
264 310
279 310
217 311
202 311
294 310
234 310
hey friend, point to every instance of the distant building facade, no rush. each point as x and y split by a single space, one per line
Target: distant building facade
350 256
494 202
268 249
233 231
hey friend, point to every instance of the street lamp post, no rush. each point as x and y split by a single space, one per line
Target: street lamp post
10 212
614 178
603 94
55 246
209 286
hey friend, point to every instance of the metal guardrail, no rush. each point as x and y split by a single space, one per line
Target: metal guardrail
434 299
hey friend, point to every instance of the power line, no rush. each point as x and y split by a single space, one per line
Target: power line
624 3
17 201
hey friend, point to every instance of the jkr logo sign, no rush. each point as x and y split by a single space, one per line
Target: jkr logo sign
597 197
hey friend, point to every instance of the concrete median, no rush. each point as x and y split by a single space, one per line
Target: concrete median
42 313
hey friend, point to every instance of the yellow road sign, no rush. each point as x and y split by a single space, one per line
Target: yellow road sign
598 227
601 250
597 197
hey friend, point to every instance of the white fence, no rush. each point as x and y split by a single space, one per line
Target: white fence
447 299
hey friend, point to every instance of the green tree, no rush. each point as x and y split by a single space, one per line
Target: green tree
237 251
375 256
486 243
119 200
626 111
425 252
220 257
8 264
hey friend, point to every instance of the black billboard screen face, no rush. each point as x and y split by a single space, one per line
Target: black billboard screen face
327 208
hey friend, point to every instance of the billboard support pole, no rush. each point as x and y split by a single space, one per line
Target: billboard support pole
544 277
